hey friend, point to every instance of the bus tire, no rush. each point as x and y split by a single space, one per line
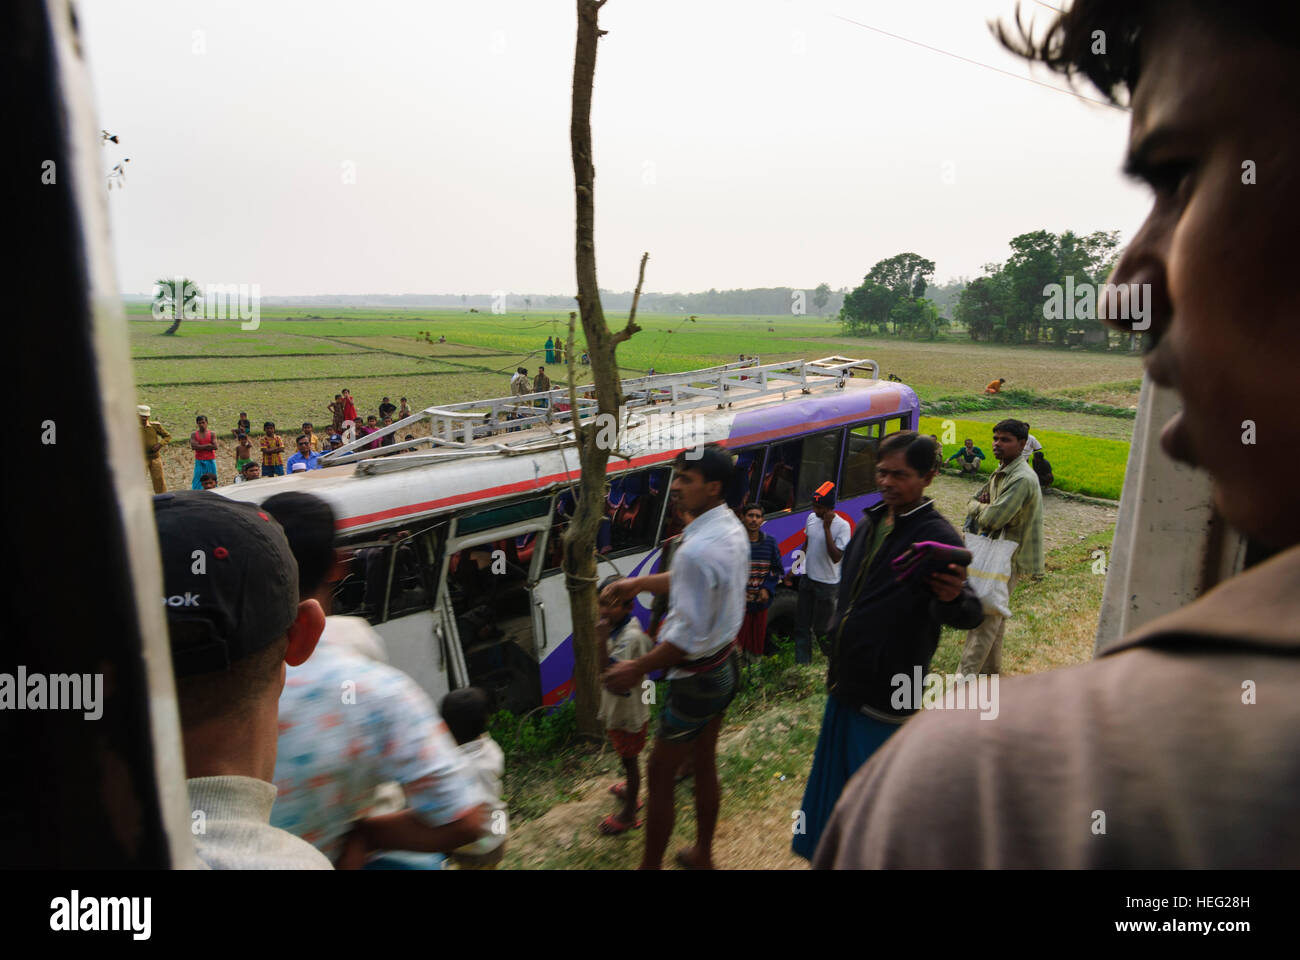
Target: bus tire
780 618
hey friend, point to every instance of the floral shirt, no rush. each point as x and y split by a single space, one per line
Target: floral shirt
349 724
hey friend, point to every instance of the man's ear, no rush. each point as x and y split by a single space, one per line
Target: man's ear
304 632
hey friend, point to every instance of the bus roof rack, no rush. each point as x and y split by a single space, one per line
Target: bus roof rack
475 427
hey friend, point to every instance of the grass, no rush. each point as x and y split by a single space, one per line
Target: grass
1086 465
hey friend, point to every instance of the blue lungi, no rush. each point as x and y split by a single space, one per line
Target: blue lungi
847 740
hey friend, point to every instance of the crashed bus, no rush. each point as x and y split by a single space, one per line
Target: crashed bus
453 553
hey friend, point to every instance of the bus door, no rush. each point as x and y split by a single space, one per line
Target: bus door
393 580
487 591
626 545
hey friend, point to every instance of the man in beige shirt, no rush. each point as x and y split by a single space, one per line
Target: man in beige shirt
1180 745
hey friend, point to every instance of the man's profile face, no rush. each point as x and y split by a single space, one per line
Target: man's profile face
1006 446
1216 251
692 492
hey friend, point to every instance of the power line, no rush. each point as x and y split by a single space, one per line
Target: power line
986 66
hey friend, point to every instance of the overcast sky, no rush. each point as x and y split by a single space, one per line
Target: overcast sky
743 143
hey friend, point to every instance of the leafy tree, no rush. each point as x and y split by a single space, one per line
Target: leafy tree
821 296
168 294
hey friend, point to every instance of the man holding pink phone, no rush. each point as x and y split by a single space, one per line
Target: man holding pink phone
887 621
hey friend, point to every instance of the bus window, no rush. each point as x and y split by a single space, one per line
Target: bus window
632 509
895 425
859 474
776 493
820 458
401 562
744 483
561 514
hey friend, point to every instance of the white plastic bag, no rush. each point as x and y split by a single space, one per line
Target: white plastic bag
990 570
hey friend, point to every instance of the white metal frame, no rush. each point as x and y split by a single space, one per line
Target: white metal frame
470 428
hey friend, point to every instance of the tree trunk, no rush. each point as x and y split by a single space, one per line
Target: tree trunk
579 541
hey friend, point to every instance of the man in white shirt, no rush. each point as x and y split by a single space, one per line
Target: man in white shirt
1031 446
706 605
827 534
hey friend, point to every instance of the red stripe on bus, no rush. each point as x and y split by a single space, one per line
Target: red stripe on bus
635 462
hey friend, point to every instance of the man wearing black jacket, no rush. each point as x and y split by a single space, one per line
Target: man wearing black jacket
883 628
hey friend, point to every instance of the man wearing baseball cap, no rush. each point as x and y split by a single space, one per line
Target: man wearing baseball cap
826 534
230 589
154 437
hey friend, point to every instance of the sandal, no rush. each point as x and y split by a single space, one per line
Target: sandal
611 826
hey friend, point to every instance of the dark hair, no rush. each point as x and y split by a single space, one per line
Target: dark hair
301 437
269 423
1068 45
210 696
918 452
308 524
1017 428
308 423
711 461
250 463
409 436
752 506
199 417
466 713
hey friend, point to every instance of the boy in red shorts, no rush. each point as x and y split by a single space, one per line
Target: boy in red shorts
626 715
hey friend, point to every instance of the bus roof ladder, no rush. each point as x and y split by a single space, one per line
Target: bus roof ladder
476 427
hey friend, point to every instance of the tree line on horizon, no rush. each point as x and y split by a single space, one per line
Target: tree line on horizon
1006 304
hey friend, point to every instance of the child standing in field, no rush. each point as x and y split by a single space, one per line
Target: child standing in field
243 450
336 412
404 411
272 451
466 714
349 408
626 715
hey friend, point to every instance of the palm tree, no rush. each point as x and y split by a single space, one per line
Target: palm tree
167 293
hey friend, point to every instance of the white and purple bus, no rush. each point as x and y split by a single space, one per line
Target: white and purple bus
456 553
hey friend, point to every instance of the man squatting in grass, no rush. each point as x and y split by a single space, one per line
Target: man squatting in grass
884 628
970 455
706 604
1185 734
1008 506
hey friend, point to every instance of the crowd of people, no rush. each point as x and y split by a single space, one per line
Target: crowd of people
272 456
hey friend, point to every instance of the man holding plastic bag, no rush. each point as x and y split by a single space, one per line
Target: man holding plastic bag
1004 533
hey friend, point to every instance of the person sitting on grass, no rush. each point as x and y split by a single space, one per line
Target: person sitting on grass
996 385
626 715
970 456
466 714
